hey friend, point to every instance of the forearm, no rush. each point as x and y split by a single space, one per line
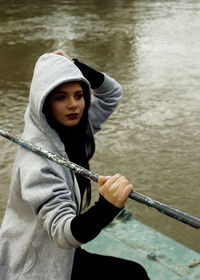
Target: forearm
95 77
88 225
106 98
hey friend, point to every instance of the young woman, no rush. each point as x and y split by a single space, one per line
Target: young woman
43 227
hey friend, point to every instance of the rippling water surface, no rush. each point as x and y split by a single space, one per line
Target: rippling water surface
152 49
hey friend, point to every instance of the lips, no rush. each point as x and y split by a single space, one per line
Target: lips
72 116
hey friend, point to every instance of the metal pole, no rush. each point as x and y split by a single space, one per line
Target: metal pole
164 209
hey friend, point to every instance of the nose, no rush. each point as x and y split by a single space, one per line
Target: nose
71 103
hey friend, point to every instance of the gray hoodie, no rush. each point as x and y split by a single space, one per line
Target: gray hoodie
36 241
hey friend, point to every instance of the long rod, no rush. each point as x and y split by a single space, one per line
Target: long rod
164 209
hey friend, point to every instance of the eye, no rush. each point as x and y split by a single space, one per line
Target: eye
60 97
79 95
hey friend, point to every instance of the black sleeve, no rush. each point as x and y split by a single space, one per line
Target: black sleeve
95 77
88 225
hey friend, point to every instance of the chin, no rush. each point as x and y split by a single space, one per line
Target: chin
71 124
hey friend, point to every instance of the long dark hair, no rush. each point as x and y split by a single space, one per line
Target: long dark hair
75 139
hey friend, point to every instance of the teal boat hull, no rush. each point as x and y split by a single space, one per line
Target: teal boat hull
162 257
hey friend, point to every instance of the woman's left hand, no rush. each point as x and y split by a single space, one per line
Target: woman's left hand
59 52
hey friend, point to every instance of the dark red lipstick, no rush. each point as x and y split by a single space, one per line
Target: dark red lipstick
72 116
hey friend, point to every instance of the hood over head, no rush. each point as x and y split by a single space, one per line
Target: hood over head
51 70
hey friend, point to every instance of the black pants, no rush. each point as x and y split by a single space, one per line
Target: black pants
95 267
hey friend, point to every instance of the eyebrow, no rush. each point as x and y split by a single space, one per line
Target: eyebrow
59 91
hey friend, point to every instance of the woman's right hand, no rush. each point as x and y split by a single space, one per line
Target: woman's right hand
115 189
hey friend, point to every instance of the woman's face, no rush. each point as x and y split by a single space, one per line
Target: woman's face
66 104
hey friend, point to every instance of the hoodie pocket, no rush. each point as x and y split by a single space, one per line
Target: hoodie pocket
30 260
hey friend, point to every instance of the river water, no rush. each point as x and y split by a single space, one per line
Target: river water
152 48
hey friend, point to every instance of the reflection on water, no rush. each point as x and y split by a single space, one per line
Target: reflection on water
152 49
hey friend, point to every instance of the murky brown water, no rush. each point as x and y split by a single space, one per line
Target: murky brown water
152 49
